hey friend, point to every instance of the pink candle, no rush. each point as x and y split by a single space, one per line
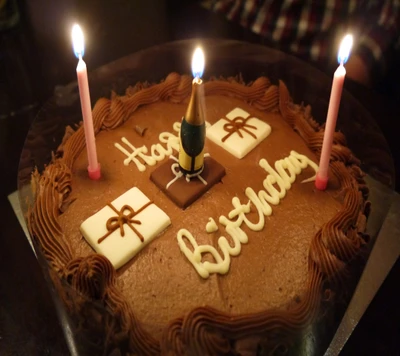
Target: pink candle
81 72
321 180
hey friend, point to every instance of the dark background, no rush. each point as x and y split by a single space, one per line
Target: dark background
36 55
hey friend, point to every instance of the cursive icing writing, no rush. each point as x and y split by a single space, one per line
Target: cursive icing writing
277 182
139 155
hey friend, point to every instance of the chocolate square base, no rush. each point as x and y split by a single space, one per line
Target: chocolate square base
179 190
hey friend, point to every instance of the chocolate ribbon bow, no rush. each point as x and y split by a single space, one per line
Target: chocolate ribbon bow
235 125
122 218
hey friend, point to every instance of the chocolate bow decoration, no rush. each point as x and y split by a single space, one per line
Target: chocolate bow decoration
236 125
124 216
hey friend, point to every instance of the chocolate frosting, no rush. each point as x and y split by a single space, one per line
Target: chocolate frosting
204 330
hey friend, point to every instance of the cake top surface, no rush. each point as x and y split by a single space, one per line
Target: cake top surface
275 270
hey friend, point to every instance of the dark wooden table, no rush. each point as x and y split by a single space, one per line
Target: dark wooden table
35 56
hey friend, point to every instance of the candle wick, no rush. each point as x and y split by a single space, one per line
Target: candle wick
197 80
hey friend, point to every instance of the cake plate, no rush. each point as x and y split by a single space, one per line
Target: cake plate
231 58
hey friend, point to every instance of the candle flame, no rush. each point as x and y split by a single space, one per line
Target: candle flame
77 41
198 63
344 49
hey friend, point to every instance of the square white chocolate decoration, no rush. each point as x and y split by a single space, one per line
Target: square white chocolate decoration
238 133
133 215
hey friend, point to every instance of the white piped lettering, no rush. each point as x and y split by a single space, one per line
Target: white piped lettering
283 175
157 152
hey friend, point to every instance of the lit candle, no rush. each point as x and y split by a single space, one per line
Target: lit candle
81 72
193 127
333 109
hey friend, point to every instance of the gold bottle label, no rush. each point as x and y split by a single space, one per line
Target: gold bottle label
188 164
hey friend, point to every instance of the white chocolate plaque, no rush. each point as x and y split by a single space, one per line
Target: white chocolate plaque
238 133
123 227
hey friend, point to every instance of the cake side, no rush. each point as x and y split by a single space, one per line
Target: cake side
204 329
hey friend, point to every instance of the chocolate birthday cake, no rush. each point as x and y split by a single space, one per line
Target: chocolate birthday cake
236 260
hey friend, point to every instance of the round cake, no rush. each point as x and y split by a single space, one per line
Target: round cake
235 261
